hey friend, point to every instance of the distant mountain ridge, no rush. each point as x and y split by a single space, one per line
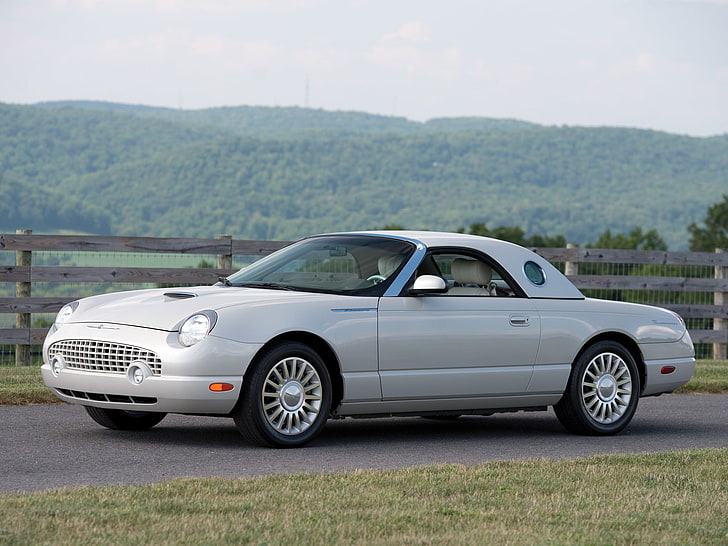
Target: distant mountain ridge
284 172
266 119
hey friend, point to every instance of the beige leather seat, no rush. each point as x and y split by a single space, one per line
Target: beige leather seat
472 278
388 265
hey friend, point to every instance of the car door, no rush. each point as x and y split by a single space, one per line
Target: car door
470 342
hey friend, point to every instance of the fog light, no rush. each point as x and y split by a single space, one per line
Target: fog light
57 364
138 372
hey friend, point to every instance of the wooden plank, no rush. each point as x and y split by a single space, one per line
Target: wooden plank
33 305
642 257
709 336
697 311
162 245
100 243
660 284
165 275
14 273
38 335
14 336
23 336
256 248
180 245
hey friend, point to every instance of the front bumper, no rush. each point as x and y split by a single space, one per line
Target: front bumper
182 386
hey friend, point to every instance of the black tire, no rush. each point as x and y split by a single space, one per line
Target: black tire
286 397
123 419
603 390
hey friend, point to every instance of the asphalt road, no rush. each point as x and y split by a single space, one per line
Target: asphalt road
47 447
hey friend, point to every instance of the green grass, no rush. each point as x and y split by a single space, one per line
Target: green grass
23 385
711 376
20 386
664 498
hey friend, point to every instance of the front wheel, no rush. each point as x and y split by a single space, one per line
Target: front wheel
123 419
286 398
603 390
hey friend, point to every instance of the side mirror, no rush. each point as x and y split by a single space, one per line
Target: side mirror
428 284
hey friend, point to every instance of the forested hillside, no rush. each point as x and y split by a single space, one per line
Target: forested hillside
283 122
280 173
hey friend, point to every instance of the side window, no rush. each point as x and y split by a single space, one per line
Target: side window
467 275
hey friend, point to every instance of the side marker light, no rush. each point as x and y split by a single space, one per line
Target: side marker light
221 387
667 370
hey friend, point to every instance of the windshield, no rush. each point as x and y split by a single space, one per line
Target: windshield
351 264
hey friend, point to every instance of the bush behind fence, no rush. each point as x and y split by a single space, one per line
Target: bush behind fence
40 273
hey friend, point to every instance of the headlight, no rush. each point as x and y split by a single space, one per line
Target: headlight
65 313
196 328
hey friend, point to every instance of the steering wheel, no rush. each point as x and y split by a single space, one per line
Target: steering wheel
376 279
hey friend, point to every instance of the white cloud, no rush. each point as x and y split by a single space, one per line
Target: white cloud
413 32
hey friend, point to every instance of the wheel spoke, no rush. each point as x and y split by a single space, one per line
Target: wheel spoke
292 397
274 415
606 387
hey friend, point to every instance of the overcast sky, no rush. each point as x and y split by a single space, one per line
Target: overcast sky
654 64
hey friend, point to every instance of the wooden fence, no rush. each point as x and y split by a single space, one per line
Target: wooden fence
24 274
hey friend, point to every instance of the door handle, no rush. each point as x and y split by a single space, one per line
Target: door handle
518 320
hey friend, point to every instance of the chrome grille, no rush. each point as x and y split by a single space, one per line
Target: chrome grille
102 356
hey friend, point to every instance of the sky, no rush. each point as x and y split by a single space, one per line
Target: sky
649 64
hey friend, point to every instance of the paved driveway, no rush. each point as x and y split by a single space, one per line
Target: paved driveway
43 447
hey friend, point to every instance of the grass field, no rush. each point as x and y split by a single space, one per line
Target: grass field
663 498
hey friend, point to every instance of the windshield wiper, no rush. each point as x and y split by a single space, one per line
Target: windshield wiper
224 281
272 285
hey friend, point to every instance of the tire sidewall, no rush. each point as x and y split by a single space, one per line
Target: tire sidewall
250 416
589 424
124 420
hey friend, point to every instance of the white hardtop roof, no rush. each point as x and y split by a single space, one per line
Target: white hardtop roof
511 256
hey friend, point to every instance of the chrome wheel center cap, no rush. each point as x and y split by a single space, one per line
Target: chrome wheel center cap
607 388
292 396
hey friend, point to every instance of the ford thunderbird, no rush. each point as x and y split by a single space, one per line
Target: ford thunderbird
367 324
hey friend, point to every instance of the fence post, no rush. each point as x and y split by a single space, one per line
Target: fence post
571 268
225 261
22 290
720 350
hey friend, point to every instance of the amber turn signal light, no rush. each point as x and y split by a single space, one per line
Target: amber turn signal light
221 387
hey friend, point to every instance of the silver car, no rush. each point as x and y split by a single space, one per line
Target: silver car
367 324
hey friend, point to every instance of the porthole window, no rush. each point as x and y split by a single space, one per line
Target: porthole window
534 273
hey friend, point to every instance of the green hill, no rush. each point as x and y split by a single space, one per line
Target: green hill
290 121
281 173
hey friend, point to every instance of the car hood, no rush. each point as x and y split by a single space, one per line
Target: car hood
165 309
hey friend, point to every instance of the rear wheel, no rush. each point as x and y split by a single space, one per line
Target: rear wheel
286 399
603 390
123 419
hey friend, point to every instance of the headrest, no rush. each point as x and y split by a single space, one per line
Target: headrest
471 272
388 264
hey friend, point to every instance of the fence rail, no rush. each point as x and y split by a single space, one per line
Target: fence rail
25 275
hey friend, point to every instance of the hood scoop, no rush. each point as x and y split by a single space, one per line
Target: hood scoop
180 295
